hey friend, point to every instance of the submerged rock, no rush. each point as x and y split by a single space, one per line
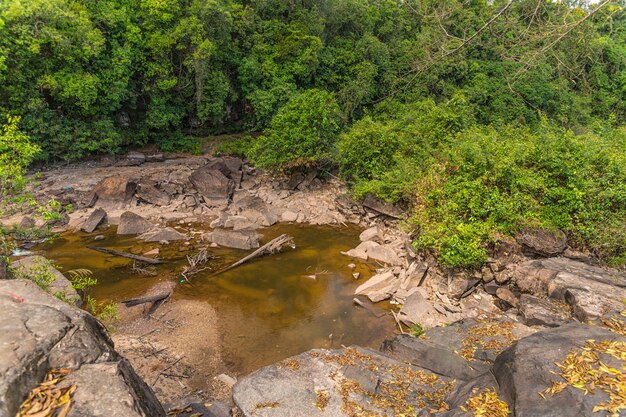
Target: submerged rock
39 332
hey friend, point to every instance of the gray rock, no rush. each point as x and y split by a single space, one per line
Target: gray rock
542 312
93 221
163 234
256 210
434 353
529 367
459 285
381 207
157 157
133 224
375 251
190 201
115 192
507 296
372 233
39 332
238 223
589 290
418 310
542 242
379 287
27 268
151 194
289 216
239 240
294 387
27 222
212 184
111 389
132 158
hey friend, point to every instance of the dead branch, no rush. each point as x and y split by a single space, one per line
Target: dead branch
196 264
269 248
148 299
143 259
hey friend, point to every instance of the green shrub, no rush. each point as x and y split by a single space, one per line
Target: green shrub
302 133
235 147
107 313
178 142
486 181
16 153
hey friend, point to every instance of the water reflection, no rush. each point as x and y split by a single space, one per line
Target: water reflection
269 309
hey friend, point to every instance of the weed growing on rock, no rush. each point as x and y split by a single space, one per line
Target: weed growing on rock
105 312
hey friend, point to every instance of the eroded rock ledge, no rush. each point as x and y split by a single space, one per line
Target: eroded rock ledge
39 332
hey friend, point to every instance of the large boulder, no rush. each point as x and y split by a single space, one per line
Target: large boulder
148 192
39 332
39 269
217 180
338 383
382 207
243 239
94 220
462 350
589 290
115 192
542 242
256 210
133 224
531 381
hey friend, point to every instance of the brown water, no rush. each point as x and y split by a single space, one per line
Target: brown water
268 309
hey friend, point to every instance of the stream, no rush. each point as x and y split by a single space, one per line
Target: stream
268 309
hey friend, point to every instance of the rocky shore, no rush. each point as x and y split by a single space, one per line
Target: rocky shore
506 336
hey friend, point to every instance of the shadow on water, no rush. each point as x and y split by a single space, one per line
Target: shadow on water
268 309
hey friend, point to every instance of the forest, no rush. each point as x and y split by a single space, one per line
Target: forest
482 118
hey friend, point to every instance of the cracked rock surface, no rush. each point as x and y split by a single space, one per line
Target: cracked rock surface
39 332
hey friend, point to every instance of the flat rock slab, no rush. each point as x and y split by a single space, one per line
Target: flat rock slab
94 220
379 287
39 332
344 382
375 251
30 266
591 291
529 367
462 350
542 242
151 194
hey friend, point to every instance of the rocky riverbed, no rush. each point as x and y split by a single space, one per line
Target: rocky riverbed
501 336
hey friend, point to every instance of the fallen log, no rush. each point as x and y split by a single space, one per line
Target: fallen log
148 299
139 258
269 248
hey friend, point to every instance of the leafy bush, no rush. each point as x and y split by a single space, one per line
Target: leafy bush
236 147
302 133
486 181
16 153
178 142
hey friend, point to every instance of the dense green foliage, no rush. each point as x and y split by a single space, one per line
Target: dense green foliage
484 116
302 133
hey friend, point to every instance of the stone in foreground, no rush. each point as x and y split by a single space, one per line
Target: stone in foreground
338 383
39 332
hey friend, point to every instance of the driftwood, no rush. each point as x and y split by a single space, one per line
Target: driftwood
148 299
271 247
143 259
196 264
